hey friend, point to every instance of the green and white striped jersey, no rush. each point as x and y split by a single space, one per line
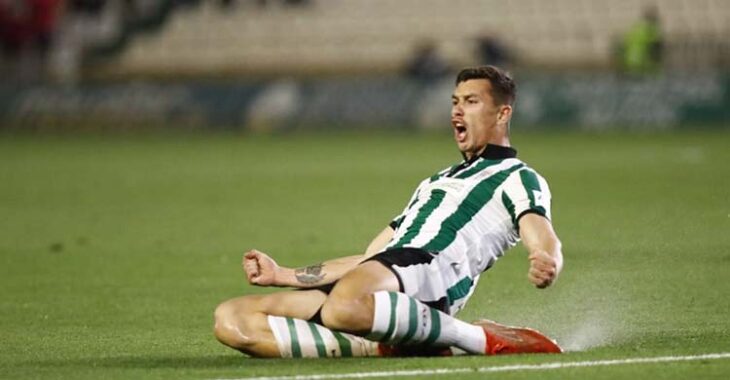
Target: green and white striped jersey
469 212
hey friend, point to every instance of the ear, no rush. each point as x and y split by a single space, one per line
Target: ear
504 114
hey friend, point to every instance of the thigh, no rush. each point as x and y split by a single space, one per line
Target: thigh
350 305
301 304
367 278
438 280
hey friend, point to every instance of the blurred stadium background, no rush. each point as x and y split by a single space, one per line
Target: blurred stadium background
290 64
115 249
116 244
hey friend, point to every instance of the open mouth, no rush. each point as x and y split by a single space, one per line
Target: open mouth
459 131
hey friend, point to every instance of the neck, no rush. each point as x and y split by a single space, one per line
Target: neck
503 141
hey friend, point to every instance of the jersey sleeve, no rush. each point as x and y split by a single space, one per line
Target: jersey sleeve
526 192
396 222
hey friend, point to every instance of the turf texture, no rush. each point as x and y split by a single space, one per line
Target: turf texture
114 250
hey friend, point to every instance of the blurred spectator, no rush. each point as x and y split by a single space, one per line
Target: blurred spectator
13 27
642 46
426 65
27 29
86 24
491 51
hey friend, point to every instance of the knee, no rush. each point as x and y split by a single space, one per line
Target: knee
232 322
353 315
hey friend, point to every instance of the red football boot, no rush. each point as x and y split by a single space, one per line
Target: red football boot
505 340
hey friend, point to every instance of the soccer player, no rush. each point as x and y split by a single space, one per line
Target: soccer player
401 295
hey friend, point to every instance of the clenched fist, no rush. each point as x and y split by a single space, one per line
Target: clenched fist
260 268
544 269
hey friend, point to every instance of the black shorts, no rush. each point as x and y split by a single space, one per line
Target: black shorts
401 257
397 256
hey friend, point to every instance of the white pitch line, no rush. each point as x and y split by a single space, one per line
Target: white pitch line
506 368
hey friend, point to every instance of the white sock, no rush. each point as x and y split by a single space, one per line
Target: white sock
297 338
400 319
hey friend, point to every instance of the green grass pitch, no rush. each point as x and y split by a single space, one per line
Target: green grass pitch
114 251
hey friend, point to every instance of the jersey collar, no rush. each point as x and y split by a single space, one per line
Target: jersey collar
498 152
495 152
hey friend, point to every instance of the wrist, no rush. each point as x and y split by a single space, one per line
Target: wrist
284 276
558 262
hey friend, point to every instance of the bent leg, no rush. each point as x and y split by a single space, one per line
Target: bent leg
350 306
367 302
276 325
242 323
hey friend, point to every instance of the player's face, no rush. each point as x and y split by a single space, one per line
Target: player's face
474 116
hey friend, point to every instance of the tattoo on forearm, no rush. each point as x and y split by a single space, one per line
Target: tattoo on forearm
309 275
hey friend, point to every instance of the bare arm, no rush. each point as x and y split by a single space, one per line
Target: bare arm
380 241
262 270
544 247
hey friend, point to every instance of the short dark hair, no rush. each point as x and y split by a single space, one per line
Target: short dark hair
503 86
